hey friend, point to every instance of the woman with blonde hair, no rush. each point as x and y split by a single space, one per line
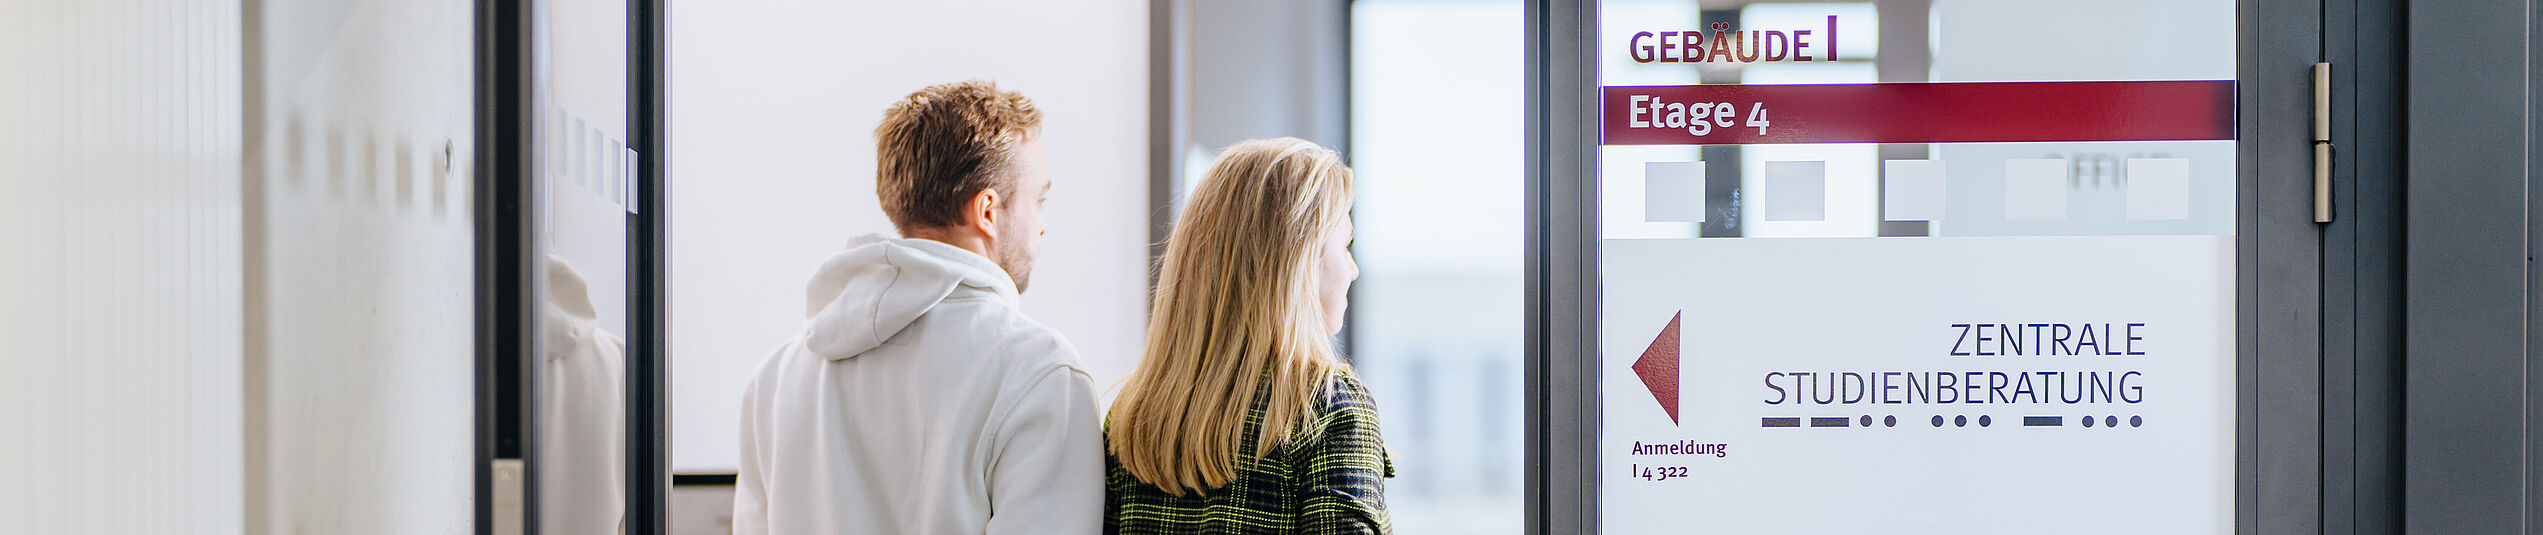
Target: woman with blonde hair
1241 417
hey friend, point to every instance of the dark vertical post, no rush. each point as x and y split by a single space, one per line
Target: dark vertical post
1561 201
505 288
648 258
1169 98
2469 279
2361 272
1722 184
2278 271
1906 56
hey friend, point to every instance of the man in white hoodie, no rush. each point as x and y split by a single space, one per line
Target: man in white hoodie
919 399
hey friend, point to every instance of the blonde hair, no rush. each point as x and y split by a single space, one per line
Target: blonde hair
1236 311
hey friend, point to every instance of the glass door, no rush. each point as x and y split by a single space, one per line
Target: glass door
584 196
570 315
1904 266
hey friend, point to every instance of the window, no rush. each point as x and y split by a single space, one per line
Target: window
1437 133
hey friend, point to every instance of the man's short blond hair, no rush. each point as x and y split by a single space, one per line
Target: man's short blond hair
942 145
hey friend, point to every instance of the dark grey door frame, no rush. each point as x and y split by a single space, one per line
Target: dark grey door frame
2280 301
508 266
2278 272
2469 282
1561 255
2361 271
648 367
506 243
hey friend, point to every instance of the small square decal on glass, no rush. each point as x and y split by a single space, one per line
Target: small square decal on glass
2035 189
1912 190
2159 188
1673 192
1796 191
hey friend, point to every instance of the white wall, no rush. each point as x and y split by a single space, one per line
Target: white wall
119 267
773 105
359 265
223 317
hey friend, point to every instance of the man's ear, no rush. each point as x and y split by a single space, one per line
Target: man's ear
982 213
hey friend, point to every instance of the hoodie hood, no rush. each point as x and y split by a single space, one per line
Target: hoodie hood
863 295
569 307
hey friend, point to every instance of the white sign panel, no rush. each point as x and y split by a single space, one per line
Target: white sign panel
1931 385
1974 279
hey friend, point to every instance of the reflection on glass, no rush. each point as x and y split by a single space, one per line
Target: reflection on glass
1435 316
1901 229
583 193
1916 41
582 417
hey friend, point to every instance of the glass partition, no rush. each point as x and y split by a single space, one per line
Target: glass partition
1435 332
1916 266
584 194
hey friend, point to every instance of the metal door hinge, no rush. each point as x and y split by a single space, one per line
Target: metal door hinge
2322 142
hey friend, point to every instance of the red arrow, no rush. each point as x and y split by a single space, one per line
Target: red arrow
1658 367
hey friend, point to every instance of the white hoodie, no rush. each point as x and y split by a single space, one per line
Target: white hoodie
920 400
582 412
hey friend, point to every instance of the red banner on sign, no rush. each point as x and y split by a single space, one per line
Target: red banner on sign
1918 113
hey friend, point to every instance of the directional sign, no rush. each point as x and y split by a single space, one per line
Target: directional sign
1658 368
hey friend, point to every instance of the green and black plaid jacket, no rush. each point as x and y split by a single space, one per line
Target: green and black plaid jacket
1330 480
